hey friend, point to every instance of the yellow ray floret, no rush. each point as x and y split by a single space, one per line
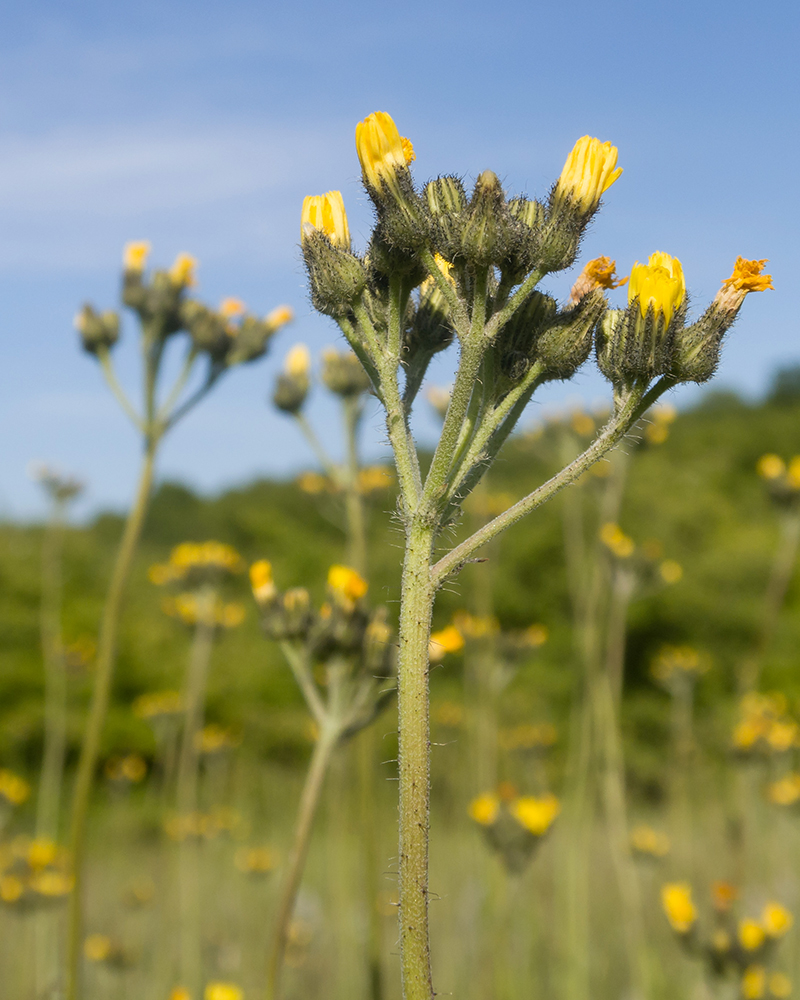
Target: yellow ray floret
747 276
381 149
280 316
347 583
658 283
326 213
484 809
535 814
590 170
182 272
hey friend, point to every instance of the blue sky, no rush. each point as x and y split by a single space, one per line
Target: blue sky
201 127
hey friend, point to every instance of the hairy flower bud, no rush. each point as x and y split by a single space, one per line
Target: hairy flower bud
343 374
447 203
293 383
486 232
98 331
337 277
590 170
326 213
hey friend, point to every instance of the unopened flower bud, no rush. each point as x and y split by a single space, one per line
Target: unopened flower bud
590 170
293 382
209 330
337 277
343 374
98 331
447 203
325 212
485 237
135 254
261 581
182 272
524 246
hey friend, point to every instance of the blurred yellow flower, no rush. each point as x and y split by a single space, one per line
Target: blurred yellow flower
97 947
157 703
256 860
52 883
770 466
723 895
446 640
264 589
180 993
485 809
298 361
671 571
590 170
375 478
41 852
721 940
135 254
751 934
582 424
13 789
776 919
646 840
280 316
182 271
658 284
346 583
615 539
536 814
780 985
676 898
11 888
754 982
223 991
785 791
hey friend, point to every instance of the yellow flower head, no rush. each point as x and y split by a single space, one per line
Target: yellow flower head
793 473
346 583
746 278
182 271
754 982
97 947
383 152
614 538
780 985
135 254
326 213
485 809
646 840
776 919
264 589
785 791
670 571
223 991
11 888
41 852
658 283
255 860
230 308
676 898
180 993
590 170
298 361
771 467
52 884
446 640
13 789
280 316
751 934
535 814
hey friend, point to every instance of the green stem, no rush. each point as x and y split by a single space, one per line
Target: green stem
502 316
55 678
612 434
186 797
446 287
354 498
314 443
296 658
104 672
309 800
107 367
178 387
416 606
367 753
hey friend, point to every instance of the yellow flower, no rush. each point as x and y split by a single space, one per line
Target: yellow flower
314 483
223 991
751 934
676 898
754 982
230 307
264 589
155 703
535 635
614 538
41 852
658 283
13 789
52 883
326 213
346 583
536 814
671 571
446 640
255 860
180 993
777 920
11 888
646 840
374 478
746 278
382 151
280 316
721 940
97 947
590 170
770 466
484 809
785 791
182 271
135 254
793 473
780 985
298 361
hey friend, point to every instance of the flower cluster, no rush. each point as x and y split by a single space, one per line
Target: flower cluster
744 945
782 479
466 627
764 725
514 824
645 561
34 873
678 667
192 610
192 564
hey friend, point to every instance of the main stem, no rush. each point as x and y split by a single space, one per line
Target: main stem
416 606
309 801
104 672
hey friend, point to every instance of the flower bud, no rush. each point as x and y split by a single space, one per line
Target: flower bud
261 581
134 256
343 374
431 330
566 344
325 212
447 203
98 332
293 383
516 344
208 330
182 272
527 220
487 231
250 339
337 277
